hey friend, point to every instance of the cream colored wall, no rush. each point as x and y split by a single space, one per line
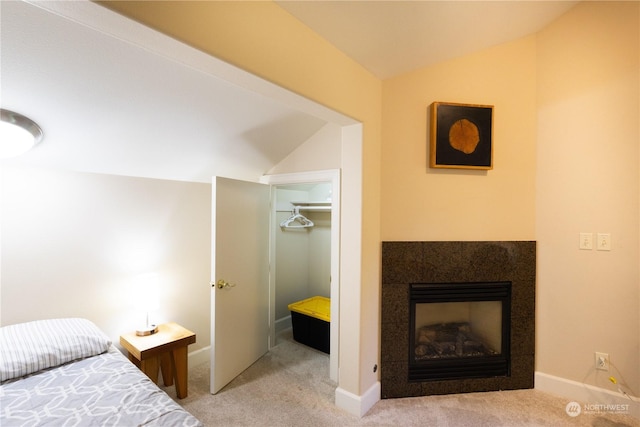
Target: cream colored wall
262 38
74 243
419 203
588 172
566 160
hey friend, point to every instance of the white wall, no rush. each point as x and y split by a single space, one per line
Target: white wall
320 254
91 235
74 243
320 152
303 256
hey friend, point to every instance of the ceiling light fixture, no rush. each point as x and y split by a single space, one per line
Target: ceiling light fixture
18 134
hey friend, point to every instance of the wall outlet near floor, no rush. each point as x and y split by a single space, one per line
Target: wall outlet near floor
602 361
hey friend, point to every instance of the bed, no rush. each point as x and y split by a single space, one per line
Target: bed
66 372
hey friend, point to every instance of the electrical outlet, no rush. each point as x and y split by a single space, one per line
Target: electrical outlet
602 361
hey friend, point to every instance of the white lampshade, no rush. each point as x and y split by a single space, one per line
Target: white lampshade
145 296
145 299
18 134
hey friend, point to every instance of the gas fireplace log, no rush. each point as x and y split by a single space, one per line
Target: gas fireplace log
448 340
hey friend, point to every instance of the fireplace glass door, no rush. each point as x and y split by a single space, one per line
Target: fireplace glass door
459 330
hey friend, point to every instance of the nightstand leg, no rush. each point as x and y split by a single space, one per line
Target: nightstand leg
167 369
133 360
180 366
150 367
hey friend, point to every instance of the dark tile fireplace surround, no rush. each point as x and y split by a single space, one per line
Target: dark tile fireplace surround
406 263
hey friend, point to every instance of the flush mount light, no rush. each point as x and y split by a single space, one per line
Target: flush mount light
18 134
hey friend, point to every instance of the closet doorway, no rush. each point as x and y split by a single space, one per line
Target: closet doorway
305 249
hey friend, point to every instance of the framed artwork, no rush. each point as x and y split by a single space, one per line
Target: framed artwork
461 136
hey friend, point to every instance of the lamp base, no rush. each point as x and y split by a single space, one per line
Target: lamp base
146 330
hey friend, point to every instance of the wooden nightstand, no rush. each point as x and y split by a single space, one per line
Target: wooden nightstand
166 349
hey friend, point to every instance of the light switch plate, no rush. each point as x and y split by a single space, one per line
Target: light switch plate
586 241
603 242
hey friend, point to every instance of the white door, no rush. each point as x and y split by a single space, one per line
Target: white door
239 277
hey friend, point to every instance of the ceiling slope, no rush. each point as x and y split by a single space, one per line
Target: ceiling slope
110 106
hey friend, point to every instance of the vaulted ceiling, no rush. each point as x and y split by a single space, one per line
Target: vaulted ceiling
114 98
394 37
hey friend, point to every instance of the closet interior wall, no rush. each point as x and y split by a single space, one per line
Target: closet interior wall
303 256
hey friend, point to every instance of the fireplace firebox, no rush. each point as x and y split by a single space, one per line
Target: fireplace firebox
459 330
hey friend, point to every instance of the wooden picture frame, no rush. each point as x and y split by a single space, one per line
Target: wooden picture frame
461 136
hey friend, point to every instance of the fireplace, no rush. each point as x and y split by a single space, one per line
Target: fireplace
459 330
457 317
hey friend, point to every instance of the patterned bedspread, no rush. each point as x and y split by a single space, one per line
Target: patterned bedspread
103 390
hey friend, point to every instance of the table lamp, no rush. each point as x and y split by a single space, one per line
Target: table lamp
146 300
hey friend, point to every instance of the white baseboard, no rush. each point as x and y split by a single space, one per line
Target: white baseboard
283 324
595 398
358 405
199 357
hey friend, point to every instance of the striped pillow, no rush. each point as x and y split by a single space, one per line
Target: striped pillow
30 347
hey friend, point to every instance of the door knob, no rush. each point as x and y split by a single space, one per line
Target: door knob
224 284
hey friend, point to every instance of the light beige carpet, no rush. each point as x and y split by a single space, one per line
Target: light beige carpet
290 386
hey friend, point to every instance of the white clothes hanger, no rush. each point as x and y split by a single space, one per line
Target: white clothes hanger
302 221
